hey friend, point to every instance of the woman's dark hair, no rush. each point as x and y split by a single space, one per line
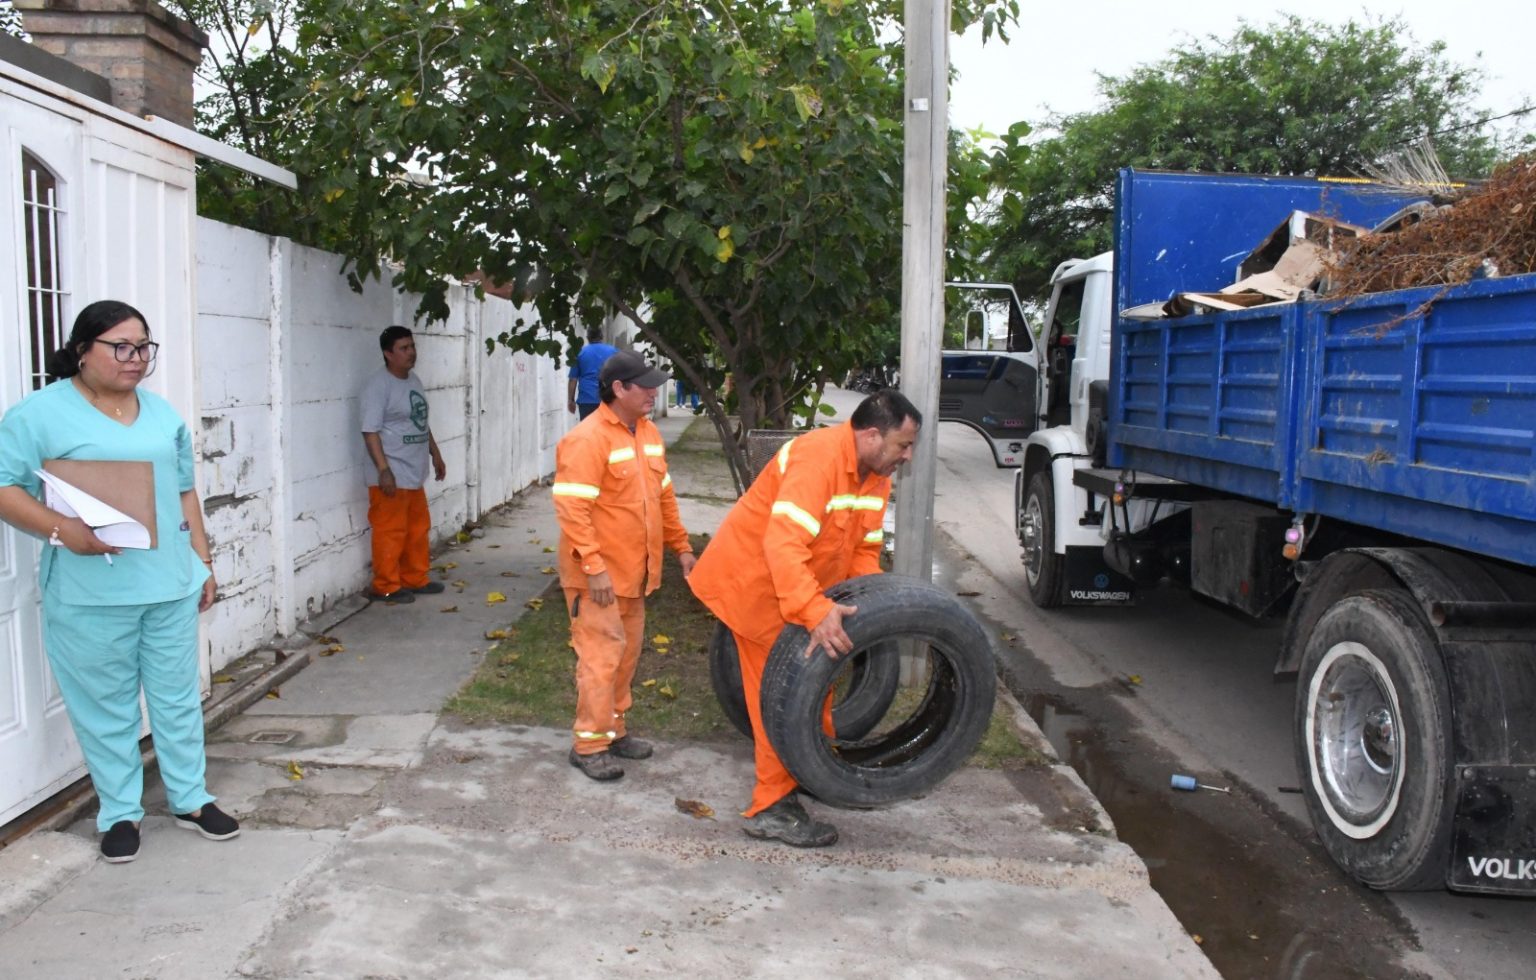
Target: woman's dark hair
93 321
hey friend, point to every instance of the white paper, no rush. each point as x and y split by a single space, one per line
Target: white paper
110 524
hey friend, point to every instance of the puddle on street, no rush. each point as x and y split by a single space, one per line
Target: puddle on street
1263 904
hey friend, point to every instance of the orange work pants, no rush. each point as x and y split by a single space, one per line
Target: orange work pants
607 641
401 529
773 781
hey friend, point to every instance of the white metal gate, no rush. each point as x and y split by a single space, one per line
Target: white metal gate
38 751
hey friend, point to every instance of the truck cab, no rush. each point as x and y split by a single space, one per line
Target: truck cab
1058 524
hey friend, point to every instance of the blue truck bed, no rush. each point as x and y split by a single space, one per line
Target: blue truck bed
1412 411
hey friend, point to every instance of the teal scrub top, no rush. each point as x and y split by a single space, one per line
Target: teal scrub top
59 423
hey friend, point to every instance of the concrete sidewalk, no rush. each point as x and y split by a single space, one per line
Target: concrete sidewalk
415 846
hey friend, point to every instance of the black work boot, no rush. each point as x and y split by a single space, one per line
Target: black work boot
787 821
599 765
630 747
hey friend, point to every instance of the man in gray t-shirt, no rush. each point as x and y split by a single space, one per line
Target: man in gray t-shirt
399 443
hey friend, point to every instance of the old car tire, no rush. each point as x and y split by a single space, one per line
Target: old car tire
1373 731
912 754
1044 569
871 686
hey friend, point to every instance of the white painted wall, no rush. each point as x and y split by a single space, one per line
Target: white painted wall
283 348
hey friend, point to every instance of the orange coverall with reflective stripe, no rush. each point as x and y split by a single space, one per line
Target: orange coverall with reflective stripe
613 498
807 523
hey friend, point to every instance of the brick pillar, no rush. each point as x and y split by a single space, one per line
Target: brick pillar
147 54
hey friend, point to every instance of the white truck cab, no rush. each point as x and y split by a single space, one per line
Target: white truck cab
1060 525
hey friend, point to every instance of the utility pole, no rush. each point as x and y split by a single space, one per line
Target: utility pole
925 168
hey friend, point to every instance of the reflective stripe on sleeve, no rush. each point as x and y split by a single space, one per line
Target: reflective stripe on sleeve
783 456
786 509
655 449
875 537
584 490
666 481
623 455
852 502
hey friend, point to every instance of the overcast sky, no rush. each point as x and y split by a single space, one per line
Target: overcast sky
1060 44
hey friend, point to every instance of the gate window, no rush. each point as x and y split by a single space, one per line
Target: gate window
42 213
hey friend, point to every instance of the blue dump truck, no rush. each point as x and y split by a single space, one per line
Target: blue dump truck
1365 467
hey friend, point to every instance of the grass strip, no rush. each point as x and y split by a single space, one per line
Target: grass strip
529 678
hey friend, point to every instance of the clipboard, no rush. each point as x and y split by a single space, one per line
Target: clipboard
124 485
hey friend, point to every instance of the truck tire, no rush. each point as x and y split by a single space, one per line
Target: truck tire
1044 569
906 756
866 696
1373 742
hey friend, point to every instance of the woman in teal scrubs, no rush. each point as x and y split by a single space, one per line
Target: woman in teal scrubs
116 619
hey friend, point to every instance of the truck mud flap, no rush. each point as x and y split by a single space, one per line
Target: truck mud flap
1091 582
1493 843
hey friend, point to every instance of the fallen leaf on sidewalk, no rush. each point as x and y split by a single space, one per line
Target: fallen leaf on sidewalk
445 566
496 634
548 570
510 575
274 694
295 771
459 584
449 609
968 593
326 639
535 604
661 639
693 808
223 679
334 648
666 691
462 537
649 683
549 550
491 598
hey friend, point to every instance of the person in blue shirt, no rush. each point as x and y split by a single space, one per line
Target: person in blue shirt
116 619
581 389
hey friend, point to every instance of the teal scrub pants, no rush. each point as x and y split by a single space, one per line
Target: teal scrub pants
101 655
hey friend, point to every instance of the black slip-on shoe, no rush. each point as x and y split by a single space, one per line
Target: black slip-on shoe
392 598
211 822
787 821
431 588
630 747
120 844
599 765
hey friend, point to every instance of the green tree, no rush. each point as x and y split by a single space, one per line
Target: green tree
248 75
726 175
1293 97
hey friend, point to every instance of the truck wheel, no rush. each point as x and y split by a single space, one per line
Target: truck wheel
909 752
1044 569
861 699
1373 742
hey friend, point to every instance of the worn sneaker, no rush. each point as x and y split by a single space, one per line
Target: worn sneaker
787 821
398 596
431 588
630 747
211 822
599 765
120 844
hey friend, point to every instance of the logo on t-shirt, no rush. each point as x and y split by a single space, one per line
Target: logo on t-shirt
419 410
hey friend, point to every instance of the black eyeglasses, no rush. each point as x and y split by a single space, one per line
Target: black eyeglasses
124 351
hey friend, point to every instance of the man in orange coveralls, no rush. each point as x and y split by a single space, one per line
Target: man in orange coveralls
811 519
613 497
